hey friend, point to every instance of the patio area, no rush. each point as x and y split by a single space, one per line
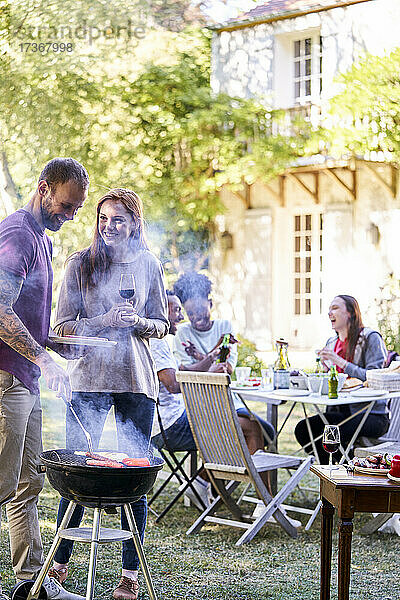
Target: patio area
208 566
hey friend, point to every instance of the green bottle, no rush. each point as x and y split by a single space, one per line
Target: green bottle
333 383
224 349
318 367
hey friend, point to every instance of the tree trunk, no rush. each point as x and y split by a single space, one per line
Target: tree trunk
9 194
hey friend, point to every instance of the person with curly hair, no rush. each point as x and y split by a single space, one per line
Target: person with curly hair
197 340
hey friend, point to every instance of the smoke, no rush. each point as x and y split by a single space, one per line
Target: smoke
107 431
131 440
179 250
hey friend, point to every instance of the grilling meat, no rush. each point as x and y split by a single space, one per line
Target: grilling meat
104 463
97 460
101 460
136 462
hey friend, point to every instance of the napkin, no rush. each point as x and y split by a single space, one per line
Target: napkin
352 382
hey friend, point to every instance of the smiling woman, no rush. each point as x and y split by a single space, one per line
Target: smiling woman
353 349
116 225
123 377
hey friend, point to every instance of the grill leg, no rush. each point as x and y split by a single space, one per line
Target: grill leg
93 554
34 591
139 550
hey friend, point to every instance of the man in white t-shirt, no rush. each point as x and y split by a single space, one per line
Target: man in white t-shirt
203 333
171 408
170 402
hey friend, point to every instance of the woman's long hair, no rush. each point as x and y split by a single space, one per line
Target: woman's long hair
355 325
96 260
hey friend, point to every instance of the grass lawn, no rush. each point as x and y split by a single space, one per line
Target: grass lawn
208 566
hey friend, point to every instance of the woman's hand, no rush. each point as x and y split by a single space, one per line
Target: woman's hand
120 315
334 359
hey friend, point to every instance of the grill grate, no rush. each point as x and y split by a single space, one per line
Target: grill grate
68 458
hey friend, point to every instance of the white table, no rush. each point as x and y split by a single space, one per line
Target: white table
318 403
275 398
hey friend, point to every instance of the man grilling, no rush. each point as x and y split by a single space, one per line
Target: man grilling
26 278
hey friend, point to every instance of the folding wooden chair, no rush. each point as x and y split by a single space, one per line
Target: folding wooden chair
226 458
387 442
176 465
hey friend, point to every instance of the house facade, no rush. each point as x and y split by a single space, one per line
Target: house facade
327 225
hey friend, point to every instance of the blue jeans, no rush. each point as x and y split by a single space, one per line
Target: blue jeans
179 436
134 418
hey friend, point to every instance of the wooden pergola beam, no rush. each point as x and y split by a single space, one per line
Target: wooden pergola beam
246 196
388 186
394 180
282 190
351 190
314 193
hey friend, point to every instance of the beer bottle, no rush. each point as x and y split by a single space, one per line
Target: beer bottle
224 349
333 383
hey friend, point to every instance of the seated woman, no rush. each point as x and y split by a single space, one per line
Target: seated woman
353 349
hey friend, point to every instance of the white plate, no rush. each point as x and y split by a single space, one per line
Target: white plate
78 340
254 383
393 478
368 393
291 392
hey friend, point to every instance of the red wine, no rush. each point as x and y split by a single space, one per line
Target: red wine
331 446
126 294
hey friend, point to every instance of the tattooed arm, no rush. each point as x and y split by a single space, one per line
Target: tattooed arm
14 333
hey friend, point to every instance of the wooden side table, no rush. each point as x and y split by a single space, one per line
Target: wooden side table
348 493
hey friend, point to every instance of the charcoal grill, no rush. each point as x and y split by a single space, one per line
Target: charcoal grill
101 488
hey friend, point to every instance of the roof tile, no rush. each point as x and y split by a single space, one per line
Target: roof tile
280 6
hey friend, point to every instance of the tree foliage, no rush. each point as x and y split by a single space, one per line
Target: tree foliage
136 111
365 115
388 313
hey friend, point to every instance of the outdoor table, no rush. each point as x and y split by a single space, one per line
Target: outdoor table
316 401
348 493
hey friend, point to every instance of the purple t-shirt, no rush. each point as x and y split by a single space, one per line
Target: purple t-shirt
26 251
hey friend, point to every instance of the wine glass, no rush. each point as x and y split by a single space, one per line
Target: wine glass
127 286
331 443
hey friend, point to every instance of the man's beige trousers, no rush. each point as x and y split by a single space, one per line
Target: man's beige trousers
20 483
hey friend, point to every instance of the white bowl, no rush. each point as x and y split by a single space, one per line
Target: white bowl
298 382
314 382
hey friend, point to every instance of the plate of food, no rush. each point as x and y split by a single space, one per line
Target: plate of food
375 464
372 471
250 382
393 478
79 340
